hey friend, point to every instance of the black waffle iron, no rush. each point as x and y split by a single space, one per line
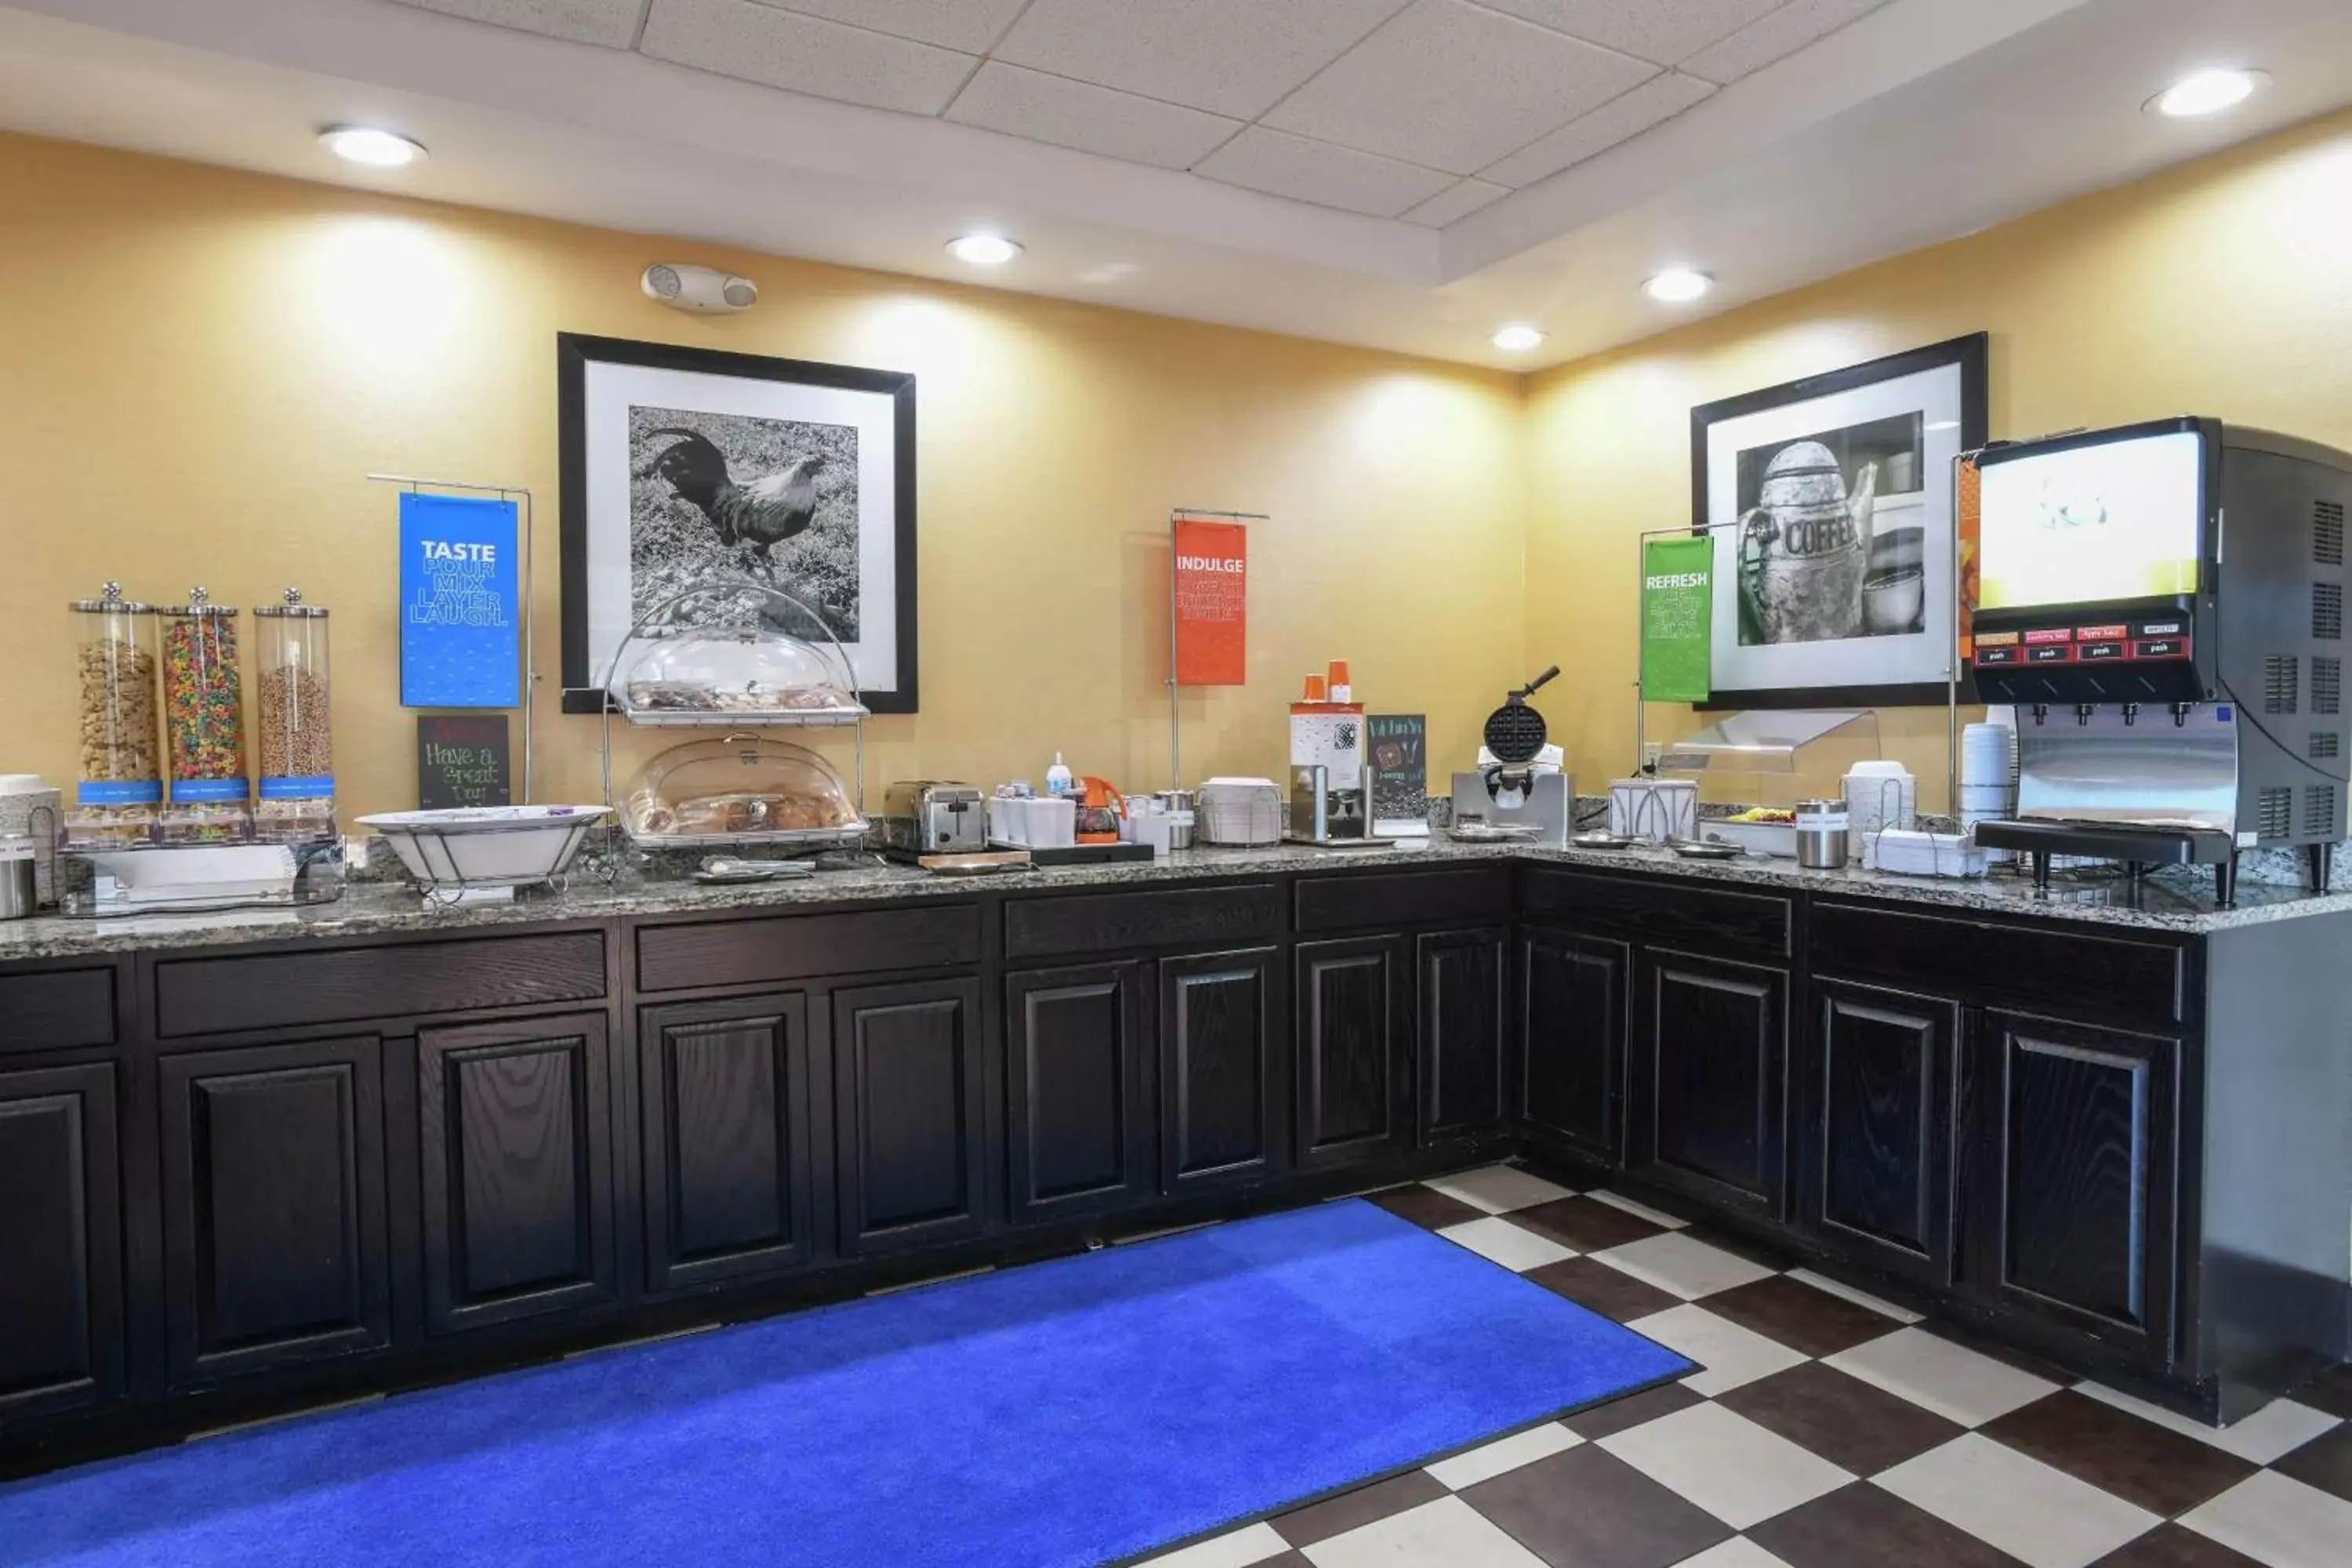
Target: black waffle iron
1511 795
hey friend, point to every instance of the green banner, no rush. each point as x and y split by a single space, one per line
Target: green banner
1677 611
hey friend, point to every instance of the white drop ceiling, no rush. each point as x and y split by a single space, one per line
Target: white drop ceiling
1398 173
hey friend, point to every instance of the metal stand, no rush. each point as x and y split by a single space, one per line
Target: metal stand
412 484
1175 516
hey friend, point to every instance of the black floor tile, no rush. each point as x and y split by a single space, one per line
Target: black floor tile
1862 1527
1587 1509
2325 1462
1603 1420
1739 1247
2170 1546
1424 1206
1609 1292
1842 1419
2117 1452
1801 1316
2331 1392
1587 1224
1348 1510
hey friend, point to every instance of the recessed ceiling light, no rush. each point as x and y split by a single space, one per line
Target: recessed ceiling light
2206 92
983 250
1517 337
376 149
1677 286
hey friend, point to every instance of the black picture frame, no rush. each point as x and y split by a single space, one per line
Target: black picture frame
1971 355
576 352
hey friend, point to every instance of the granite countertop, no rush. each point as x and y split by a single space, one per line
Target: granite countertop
2171 900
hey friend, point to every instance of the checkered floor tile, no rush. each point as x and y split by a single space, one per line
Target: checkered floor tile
1826 1429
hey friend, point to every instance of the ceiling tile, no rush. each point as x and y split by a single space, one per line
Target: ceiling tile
1092 119
1666 31
967 25
611 23
1779 35
1232 56
1621 118
1459 202
1286 165
803 54
1454 86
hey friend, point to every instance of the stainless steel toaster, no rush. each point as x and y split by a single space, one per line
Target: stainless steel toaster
932 816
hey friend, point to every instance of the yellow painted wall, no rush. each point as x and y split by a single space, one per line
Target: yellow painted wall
2223 287
197 367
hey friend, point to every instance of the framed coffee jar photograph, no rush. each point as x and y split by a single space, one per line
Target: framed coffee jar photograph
1832 507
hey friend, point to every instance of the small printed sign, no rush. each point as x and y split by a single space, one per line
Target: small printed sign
463 759
1399 744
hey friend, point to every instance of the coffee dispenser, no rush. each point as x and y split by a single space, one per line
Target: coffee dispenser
2165 604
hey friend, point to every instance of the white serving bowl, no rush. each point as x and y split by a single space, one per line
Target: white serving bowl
489 846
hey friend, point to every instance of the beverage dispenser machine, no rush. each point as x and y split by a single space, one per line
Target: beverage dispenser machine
2165 605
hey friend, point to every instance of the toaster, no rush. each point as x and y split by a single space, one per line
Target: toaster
930 816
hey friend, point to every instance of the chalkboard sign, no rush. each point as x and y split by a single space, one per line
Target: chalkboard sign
462 759
1397 747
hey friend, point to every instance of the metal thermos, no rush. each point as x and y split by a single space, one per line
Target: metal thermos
1821 834
19 878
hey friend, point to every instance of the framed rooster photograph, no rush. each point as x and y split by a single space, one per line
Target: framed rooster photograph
685 468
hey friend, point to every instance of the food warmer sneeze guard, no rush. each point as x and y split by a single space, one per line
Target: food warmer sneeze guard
2139 587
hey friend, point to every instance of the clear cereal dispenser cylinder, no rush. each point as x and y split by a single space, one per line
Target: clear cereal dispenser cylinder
120 781
204 725
294 739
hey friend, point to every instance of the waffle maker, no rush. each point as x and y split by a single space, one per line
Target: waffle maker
1511 790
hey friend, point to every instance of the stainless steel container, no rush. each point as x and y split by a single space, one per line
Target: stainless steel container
1180 804
1821 834
19 878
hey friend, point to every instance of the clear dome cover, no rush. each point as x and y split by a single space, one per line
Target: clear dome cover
705 674
738 790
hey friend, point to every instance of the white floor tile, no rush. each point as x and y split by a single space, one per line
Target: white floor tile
2269 1435
1504 1454
1509 1245
1447 1533
1255 1544
2278 1522
1638 1211
1727 1354
1498 1189
1951 1380
1683 1265
1859 1297
2041 1516
1726 1464
1738 1552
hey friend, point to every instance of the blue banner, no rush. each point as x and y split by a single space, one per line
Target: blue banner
460 603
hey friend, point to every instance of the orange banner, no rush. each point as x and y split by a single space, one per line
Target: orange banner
1212 603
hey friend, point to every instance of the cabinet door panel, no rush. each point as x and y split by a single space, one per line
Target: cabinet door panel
517 1156
1884 1186
1353 1098
724 1091
60 1241
911 1150
1710 1084
1571 1052
2084 1126
1461 1034
1220 1046
1076 1052
273 1238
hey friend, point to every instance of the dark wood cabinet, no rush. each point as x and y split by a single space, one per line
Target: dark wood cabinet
516 1150
1709 1079
723 1101
1879 1181
1220 1044
61 1317
2078 1216
1461 1034
274 1245
1078 1109
911 1148
1352 1100
1571 1051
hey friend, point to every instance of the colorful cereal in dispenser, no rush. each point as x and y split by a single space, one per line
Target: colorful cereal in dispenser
204 725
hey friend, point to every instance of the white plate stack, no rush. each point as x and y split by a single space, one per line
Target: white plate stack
1878 795
1987 775
1240 811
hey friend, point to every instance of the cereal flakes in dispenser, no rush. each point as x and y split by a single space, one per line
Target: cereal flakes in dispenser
294 754
120 780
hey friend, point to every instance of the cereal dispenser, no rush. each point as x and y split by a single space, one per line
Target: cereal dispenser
121 777
204 725
294 746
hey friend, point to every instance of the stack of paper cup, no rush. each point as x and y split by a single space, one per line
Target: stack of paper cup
1878 795
1988 774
